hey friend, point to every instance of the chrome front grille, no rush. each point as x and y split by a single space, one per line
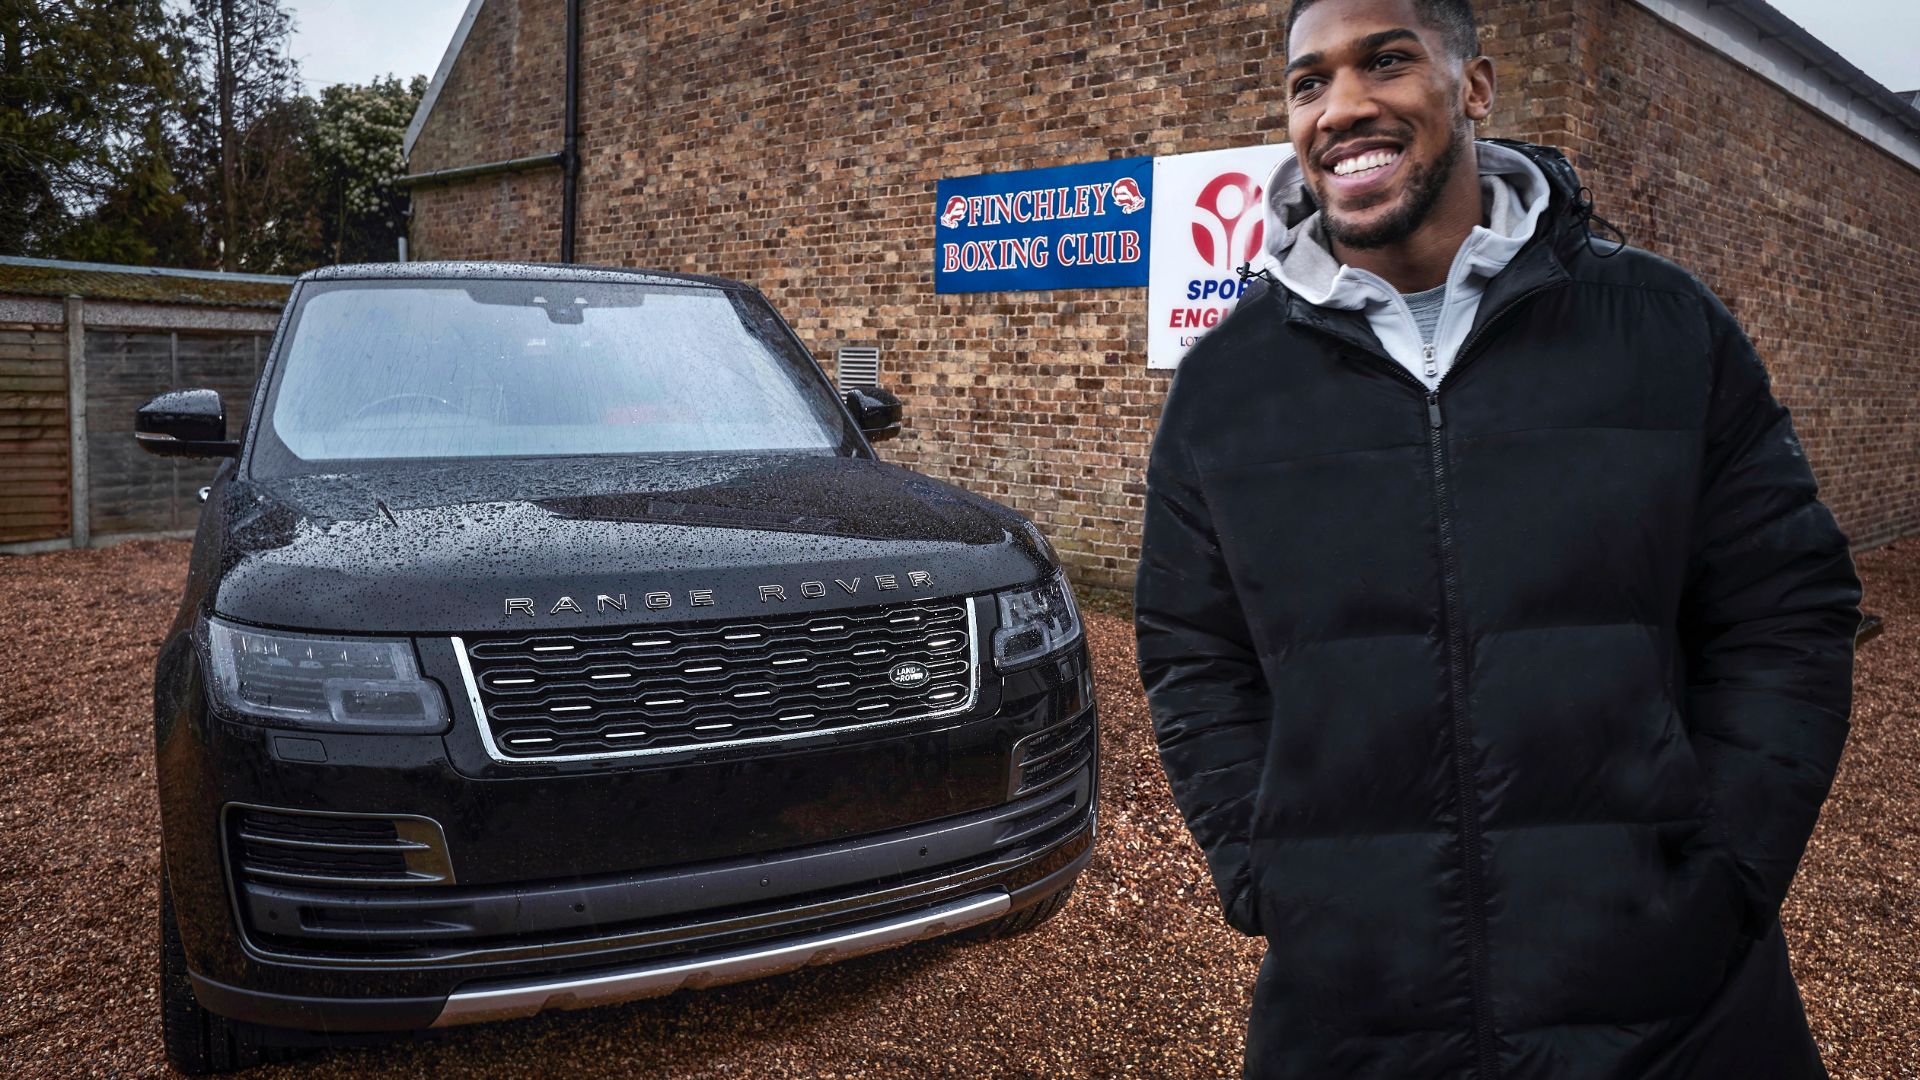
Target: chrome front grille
584 694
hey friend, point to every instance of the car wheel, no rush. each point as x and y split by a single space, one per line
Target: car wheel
1021 921
199 1042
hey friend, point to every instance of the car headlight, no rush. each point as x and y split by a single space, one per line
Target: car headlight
1035 621
327 684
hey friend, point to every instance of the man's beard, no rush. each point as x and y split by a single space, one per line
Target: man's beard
1424 185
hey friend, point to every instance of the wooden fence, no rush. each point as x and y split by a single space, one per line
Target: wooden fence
34 434
130 490
98 358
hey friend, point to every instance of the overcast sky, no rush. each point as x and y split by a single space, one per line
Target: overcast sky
339 41
1880 37
355 40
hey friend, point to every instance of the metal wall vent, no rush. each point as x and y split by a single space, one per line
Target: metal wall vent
857 365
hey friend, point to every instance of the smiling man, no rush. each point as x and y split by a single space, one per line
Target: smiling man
1498 647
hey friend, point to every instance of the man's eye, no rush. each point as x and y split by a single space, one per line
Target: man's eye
1305 86
1387 60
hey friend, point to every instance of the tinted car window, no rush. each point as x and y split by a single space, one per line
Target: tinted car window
377 371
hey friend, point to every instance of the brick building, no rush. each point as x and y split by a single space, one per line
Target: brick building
796 144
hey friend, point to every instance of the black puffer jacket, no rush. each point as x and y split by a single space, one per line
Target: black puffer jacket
1504 712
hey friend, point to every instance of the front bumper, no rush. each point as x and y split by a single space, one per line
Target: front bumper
501 999
636 878
683 906
512 1000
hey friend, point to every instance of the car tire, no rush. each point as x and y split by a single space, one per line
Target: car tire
199 1042
1019 922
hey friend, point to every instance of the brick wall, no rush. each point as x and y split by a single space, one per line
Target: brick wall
1805 229
504 99
796 145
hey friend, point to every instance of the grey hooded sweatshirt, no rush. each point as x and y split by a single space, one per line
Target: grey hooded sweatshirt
1297 252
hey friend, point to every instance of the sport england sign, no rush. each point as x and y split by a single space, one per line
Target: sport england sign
1209 219
1070 227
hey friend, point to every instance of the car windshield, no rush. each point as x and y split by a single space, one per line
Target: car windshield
385 371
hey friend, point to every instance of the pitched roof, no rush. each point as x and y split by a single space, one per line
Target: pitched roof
149 284
439 79
1755 35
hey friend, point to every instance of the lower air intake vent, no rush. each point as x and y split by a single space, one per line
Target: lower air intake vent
652 689
1045 756
315 848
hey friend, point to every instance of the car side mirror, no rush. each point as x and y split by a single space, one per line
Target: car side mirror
184 423
875 410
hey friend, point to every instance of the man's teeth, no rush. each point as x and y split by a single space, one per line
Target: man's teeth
1364 162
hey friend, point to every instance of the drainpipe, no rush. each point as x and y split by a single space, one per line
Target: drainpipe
570 150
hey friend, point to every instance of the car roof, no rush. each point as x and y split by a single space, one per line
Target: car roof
511 271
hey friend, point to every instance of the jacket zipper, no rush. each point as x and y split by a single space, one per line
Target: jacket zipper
1465 795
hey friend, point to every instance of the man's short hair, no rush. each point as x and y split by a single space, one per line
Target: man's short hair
1453 18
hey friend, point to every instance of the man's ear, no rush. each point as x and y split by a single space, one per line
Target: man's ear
1476 88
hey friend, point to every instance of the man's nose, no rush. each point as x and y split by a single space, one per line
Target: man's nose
1348 101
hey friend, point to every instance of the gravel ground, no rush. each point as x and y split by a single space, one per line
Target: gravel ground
1137 977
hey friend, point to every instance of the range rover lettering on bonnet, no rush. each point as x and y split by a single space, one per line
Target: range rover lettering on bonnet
614 603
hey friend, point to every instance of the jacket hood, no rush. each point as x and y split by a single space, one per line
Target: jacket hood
1523 183
439 549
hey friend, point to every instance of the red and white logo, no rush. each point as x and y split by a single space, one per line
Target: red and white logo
1229 224
955 211
1126 195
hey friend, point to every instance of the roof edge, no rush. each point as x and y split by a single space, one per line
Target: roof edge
1755 35
145 271
432 95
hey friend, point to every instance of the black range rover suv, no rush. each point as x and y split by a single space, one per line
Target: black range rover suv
555 637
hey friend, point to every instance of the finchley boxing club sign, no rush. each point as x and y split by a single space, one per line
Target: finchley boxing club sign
1069 227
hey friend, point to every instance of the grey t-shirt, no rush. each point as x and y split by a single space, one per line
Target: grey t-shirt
1426 307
